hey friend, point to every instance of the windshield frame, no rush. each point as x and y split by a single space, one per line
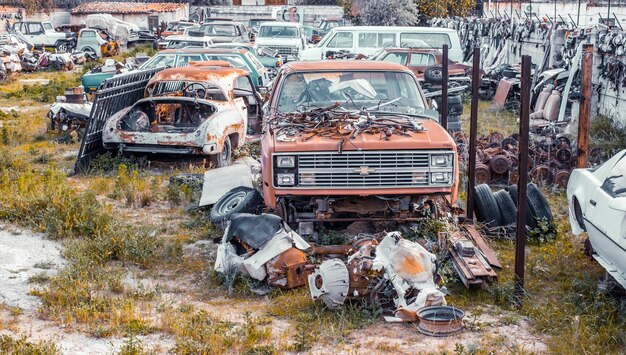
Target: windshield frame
274 100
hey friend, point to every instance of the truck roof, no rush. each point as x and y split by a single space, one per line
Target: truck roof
395 29
336 65
204 50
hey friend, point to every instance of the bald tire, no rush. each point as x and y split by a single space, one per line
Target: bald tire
486 207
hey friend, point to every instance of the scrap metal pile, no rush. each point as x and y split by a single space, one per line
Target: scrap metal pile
383 269
331 122
551 158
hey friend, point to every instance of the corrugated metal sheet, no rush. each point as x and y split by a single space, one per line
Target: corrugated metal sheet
125 7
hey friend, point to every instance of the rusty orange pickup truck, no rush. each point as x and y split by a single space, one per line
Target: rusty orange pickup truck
354 140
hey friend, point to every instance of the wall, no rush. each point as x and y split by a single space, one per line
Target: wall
608 99
589 13
312 14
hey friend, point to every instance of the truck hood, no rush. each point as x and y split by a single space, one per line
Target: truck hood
434 136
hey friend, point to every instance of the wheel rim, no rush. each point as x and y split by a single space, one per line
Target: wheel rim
62 47
231 202
437 73
226 154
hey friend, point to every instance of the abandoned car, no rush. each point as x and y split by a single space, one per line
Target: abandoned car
353 140
205 109
597 204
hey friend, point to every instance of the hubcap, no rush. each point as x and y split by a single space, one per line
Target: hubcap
231 202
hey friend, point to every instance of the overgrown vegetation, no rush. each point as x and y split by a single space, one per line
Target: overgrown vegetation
9 345
45 93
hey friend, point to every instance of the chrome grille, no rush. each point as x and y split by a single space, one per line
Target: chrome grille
368 169
285 50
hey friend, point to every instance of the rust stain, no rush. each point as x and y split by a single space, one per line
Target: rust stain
410 265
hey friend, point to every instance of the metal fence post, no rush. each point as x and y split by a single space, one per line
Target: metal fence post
471 171
520 240
584 116
444 88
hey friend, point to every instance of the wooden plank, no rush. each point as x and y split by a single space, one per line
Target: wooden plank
483 246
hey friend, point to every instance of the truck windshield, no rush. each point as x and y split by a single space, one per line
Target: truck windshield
393 92
278 32
219 30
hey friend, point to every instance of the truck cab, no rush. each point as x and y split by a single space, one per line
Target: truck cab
354 140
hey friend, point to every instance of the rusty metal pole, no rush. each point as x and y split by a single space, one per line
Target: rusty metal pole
444 88
584 116
520 240
471 173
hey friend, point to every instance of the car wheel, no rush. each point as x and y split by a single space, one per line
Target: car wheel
508 212
89 50
486 206
538 204
238 200
61 47
222 159
434 74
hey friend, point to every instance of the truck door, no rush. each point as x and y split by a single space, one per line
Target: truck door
36 34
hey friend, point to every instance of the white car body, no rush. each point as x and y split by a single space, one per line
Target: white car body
597 204
288 47
367 40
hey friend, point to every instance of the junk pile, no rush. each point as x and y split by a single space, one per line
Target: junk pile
552 158
330 122
383 269
70 113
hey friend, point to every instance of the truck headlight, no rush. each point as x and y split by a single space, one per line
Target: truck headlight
440 160
286 161
440 178
285 179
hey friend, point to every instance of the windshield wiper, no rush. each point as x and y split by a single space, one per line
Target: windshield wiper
398 114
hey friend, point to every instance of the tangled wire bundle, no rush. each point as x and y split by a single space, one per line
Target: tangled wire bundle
329 122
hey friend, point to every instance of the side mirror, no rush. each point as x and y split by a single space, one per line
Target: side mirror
618 204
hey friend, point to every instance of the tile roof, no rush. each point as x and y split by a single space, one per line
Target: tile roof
125 7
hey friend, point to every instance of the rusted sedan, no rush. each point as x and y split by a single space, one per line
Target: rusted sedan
425 63
204 109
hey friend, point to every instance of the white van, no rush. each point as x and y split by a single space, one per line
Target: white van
367 40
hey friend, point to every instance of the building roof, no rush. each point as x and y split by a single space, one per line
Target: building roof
126 7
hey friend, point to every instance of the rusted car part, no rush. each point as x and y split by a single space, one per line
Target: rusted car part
264 248
70 113
204 109
473 260
393 272
440 321
114 95
551 160
219 182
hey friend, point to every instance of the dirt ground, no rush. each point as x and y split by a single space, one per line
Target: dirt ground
25 254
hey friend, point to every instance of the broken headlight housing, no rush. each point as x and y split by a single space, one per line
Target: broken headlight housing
285 170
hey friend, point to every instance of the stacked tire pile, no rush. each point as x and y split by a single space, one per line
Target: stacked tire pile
551 159
499 209
433 76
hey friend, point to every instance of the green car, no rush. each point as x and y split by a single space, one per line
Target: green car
173 58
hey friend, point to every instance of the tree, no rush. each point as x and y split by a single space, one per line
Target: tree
445 8
387 13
